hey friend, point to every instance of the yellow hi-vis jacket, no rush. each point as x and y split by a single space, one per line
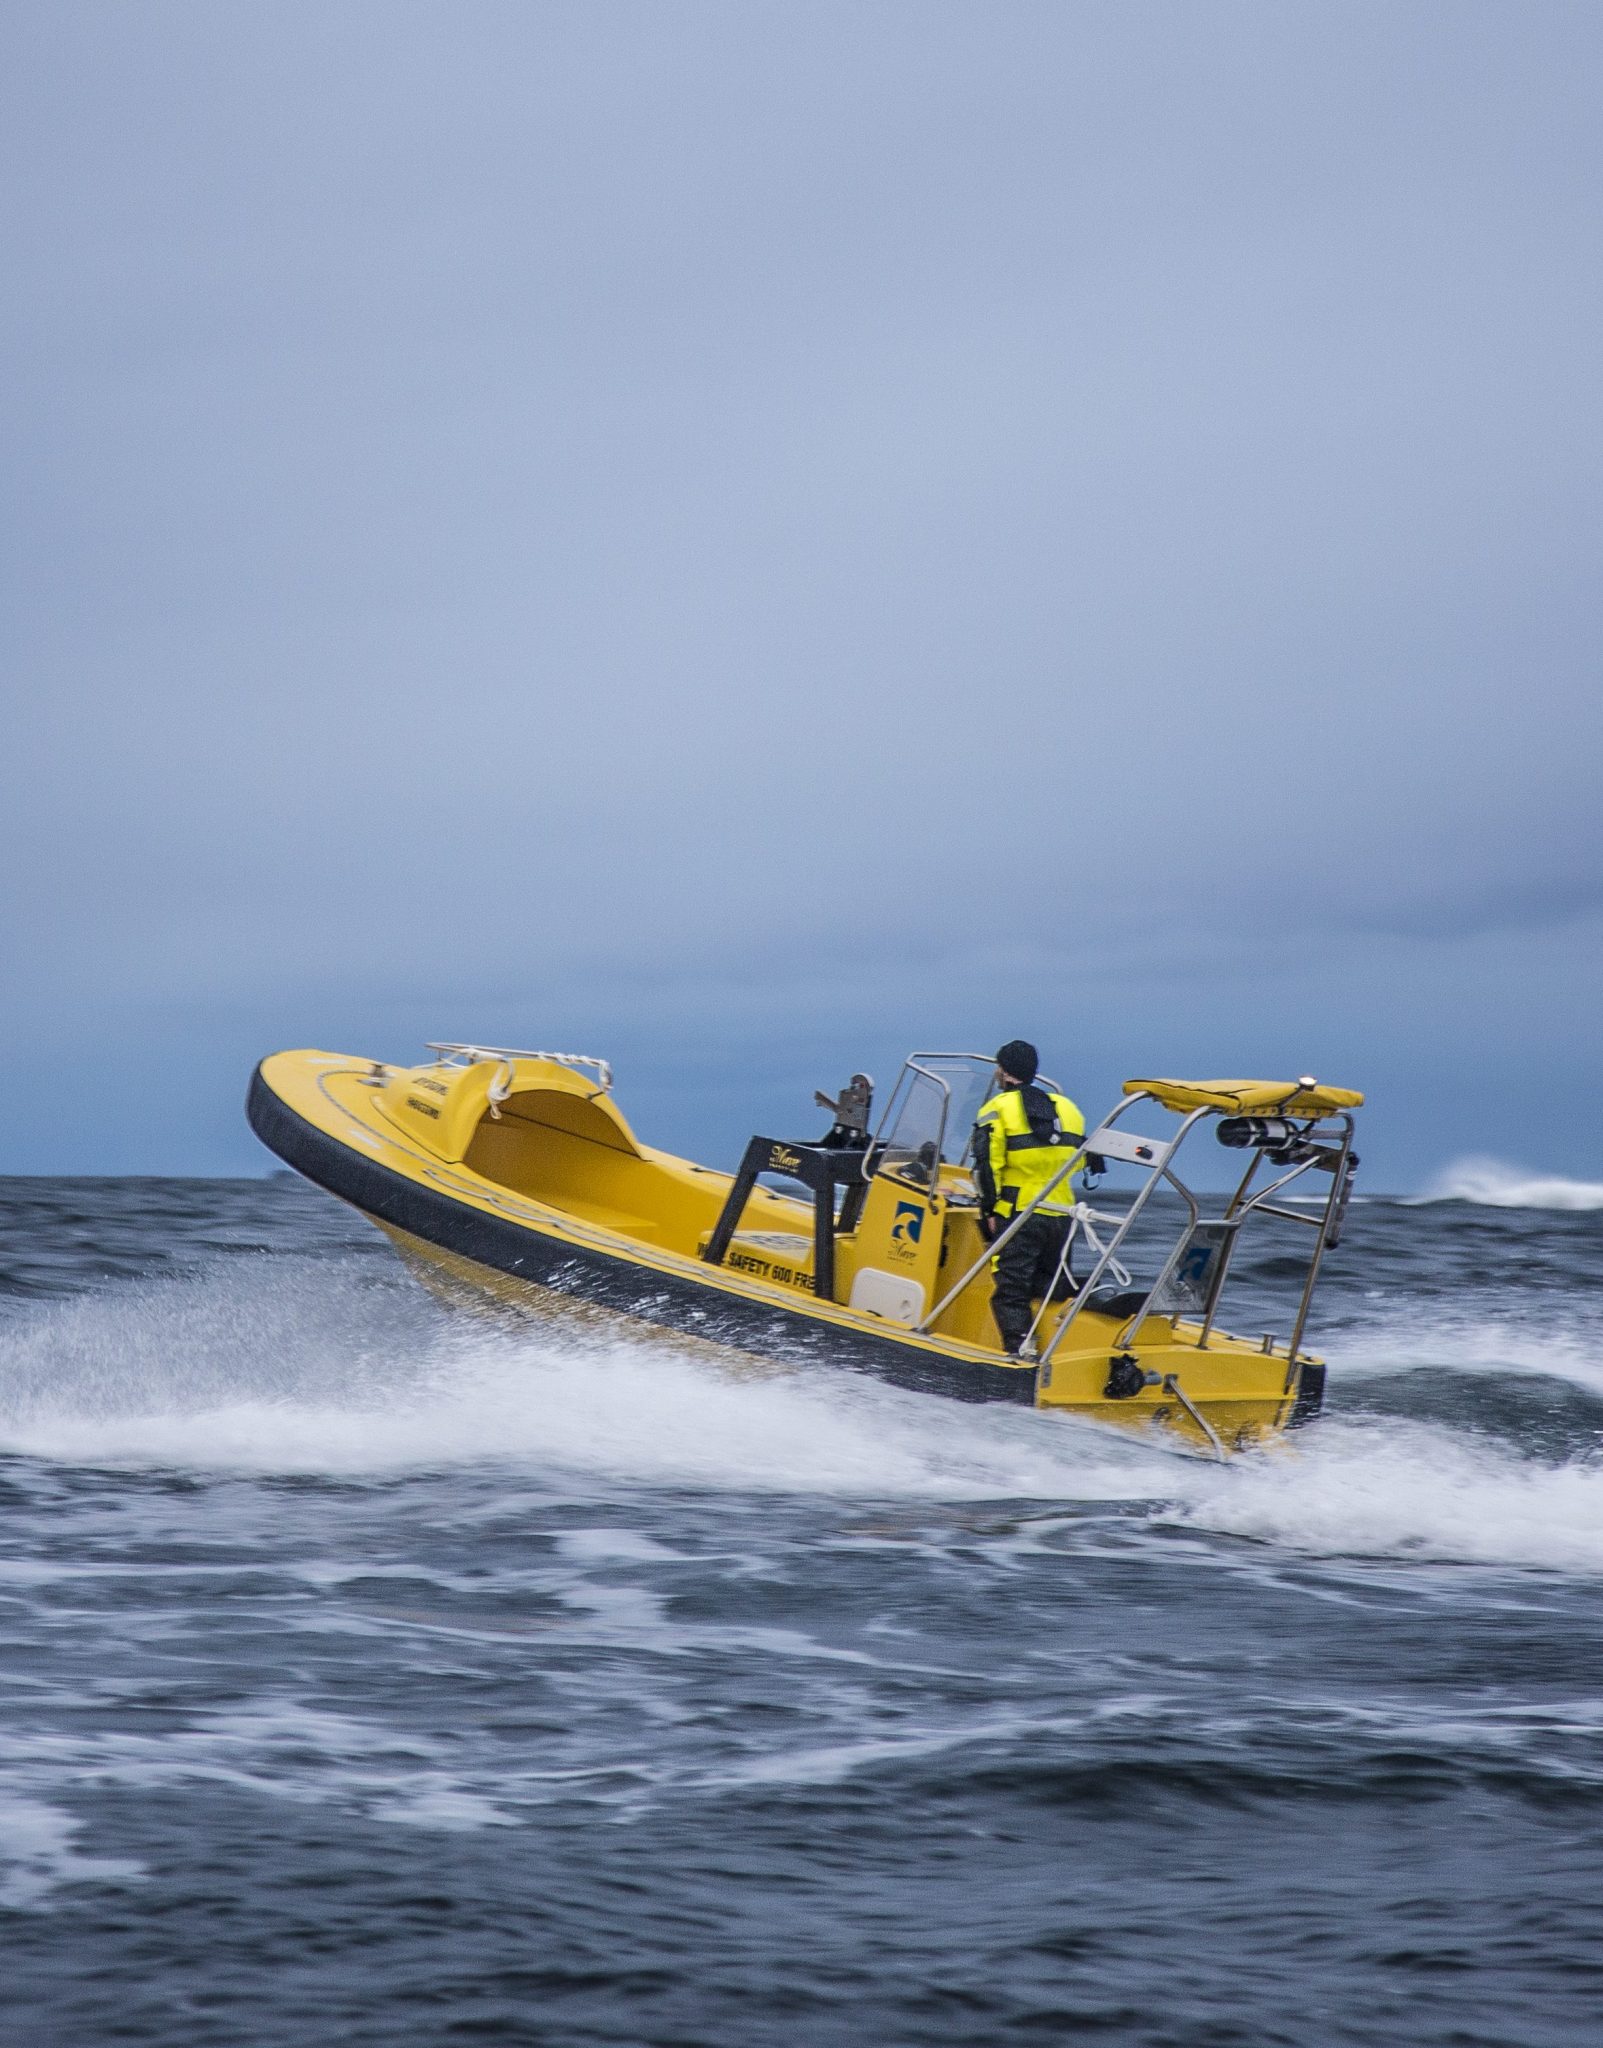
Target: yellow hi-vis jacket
1011 1162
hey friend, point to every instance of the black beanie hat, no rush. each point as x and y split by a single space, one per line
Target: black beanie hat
1018 1058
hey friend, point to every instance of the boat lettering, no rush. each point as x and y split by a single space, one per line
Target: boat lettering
781 1159
428 1108
760 1269
434 1087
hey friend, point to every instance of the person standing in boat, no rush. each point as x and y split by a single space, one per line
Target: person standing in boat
1022 1136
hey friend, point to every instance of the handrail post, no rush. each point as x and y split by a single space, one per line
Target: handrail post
1337 1181
1159 1170
1012 1229
1133 1327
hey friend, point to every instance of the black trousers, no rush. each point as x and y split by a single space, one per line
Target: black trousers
1023 1271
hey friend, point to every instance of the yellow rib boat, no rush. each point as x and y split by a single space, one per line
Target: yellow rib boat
515 1174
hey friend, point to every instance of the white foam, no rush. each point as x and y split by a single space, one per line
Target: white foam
437 1803
329 1376
239 1372
1408 1491
37 1855
279 1751
1492 1183
1482 1345
622 1414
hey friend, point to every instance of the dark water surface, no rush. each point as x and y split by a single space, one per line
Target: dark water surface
378 1677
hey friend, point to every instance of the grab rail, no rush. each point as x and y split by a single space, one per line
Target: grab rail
578 1061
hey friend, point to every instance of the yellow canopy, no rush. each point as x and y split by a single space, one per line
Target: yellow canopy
1248 1098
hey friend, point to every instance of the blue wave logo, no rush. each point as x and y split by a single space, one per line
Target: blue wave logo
907 1225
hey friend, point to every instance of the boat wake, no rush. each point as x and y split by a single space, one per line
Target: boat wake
1492 1183
1413 1491
312 1369
315 1369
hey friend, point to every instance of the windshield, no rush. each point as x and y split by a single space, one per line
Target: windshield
934 1104
970 1080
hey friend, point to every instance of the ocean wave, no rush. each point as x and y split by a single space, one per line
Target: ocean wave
314 1371
1494 1184
1483 1345
1412 1491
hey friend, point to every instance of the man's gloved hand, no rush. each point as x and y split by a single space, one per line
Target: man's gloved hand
990 1228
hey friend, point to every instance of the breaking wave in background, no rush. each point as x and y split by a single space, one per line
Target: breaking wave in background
1494 1184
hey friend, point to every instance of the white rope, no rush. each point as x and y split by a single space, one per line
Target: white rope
1080 1224
500 1088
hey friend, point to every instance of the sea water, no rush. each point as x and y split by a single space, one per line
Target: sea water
376 1674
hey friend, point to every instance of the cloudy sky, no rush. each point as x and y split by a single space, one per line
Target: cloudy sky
750 537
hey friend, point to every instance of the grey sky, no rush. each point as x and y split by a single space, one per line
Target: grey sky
758 535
